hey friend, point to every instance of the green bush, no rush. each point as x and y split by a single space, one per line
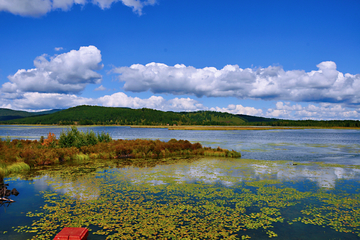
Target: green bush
68 139
75 138
91 138
104 137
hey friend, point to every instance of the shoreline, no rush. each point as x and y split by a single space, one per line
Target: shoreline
185 127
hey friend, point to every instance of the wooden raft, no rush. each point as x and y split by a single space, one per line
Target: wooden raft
70 233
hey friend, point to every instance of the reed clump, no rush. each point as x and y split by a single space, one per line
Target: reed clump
16 167
19 155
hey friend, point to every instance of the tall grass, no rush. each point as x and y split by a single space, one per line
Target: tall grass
13 168
81 157
2 172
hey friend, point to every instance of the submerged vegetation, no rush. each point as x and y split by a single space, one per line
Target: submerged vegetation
18 155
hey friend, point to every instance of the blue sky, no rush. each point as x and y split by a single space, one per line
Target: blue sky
284 59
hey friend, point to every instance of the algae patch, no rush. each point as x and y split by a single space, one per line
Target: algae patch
197 199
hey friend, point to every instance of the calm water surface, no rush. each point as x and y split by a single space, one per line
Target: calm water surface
318 198
306 145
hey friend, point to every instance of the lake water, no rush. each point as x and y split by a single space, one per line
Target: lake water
305 145
293 184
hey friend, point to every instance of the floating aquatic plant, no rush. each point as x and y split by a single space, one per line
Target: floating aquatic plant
156 202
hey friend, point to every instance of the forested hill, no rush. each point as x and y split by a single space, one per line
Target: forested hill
95 115
9 114
91 115
251 119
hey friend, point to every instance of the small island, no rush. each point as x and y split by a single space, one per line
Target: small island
20 155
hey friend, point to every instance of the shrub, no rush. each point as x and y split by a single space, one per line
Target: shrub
91 138
75 138
68 139
80 140
104 137
50 141
8 140
28 155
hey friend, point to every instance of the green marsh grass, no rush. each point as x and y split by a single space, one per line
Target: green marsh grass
17 167
81 157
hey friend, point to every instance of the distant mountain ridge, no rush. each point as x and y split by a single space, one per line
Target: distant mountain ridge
91 115
97 115
9 114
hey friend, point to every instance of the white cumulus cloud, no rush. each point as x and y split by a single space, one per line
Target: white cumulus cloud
26 7
37 8
136 5
65 73
239 109
272 83
100 88
31 101
39 101
322 111
155 102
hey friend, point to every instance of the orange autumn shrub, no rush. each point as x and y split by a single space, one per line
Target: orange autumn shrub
50 141
29 155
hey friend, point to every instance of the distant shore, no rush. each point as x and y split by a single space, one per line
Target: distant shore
189 127
197 127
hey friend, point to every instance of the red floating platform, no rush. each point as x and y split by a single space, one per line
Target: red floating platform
69 233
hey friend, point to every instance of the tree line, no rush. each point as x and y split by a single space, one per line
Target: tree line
96 115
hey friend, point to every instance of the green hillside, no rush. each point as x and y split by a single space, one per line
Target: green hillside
261 121
250 119
90 115
312 123
8 114
95 115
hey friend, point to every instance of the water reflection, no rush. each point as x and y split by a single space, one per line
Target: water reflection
194 196
82 189
227 172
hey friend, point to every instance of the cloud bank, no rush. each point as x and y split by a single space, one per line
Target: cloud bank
41 101
272 83
37 8
69 72
57 82
324 111
285 110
